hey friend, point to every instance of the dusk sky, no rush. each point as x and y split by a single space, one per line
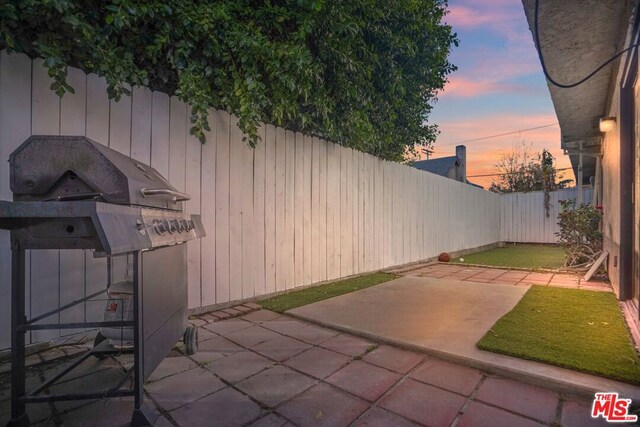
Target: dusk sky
499 87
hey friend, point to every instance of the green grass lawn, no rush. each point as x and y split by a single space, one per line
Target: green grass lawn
313 294
521 256
576 329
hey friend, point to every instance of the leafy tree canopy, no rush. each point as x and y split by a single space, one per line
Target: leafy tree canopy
522 171
362 73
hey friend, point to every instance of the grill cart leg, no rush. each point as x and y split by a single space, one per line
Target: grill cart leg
18 411
143 414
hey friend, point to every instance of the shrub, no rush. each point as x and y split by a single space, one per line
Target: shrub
361 73
579 233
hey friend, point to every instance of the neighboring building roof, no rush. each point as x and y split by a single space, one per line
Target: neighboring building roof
439 166
475 185
575 37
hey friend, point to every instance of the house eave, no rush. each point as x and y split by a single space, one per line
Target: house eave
576 36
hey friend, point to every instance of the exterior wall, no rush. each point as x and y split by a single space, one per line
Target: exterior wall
524 219
611 193
296 210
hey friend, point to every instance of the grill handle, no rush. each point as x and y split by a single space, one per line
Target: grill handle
177 195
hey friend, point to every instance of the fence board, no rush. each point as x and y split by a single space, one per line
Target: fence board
208 210
270 209
280 186
222 126
236 190
193 162
298 220
259 254
307 263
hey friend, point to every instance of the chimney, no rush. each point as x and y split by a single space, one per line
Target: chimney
461 154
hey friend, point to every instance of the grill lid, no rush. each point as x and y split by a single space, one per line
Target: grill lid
49 167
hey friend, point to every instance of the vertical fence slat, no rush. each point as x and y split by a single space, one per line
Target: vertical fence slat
299 196
222 126
15 127
236 190
280 186
270 209
208 209
307 263
259 181
193 162
289 198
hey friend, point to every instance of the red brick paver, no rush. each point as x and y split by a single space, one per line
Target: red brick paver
364 380
524 399
329 379
504 276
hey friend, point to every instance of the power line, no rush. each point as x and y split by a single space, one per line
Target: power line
496 174
544 66
482 138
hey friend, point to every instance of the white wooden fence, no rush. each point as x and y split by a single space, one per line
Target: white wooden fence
296 210
524 218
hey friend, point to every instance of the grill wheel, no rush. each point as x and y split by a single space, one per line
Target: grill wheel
191 340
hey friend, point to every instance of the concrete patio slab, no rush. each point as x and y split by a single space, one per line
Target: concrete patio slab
227 407
394 359
244 388
318 362
447 315
239 366
275 385
481 415
449 376
378 417
323 405
440 408
366 381
445 318
530 401
171 393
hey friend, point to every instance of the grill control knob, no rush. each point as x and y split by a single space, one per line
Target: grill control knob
181 225
191 225
168 225
159 227
175 226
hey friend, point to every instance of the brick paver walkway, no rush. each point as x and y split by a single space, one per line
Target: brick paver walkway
500 275
264 369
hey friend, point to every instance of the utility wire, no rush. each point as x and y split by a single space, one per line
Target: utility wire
579 82
496 174
482 138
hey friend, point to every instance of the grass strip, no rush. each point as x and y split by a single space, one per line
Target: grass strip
575 329
297 298
521 256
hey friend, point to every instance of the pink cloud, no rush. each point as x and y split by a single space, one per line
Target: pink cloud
491 69
462 87
467 17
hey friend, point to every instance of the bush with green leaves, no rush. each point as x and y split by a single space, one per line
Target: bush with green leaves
363 73
579 233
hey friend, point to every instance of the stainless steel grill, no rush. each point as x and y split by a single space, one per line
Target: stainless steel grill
73 193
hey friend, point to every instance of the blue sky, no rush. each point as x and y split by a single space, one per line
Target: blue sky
499 87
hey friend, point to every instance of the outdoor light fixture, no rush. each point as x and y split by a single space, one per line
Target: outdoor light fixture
607 124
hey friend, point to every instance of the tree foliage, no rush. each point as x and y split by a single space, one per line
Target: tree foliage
363 73
522 171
